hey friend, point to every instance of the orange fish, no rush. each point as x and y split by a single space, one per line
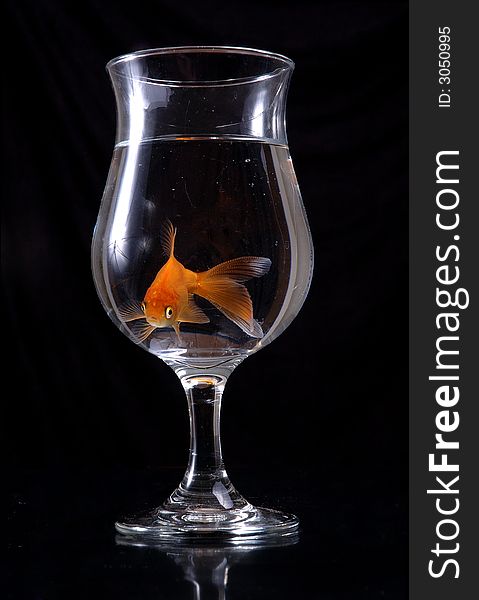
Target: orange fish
169 300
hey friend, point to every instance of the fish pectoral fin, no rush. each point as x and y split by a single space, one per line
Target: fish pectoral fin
240 269
168 234
130 311
233 300
141 331
192 313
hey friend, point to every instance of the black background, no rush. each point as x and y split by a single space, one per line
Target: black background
317 421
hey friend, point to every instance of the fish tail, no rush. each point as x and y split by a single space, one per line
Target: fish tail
240 269
222 286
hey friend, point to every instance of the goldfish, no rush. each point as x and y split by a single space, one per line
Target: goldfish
170 299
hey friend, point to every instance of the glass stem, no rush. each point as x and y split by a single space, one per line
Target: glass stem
204 405
206 483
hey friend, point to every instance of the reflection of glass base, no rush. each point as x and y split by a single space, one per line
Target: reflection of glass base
245 523
206 562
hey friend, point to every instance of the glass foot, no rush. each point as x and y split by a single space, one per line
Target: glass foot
248 522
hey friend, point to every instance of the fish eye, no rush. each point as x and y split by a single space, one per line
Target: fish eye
168 312
143 306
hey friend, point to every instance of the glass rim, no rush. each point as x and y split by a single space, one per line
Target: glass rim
287 63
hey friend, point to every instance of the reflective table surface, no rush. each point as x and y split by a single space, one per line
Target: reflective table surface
62 544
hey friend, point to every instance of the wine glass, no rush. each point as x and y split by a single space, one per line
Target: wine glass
202 253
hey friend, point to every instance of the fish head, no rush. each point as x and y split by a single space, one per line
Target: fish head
160 314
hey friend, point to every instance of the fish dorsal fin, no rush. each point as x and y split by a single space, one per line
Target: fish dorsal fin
168 234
